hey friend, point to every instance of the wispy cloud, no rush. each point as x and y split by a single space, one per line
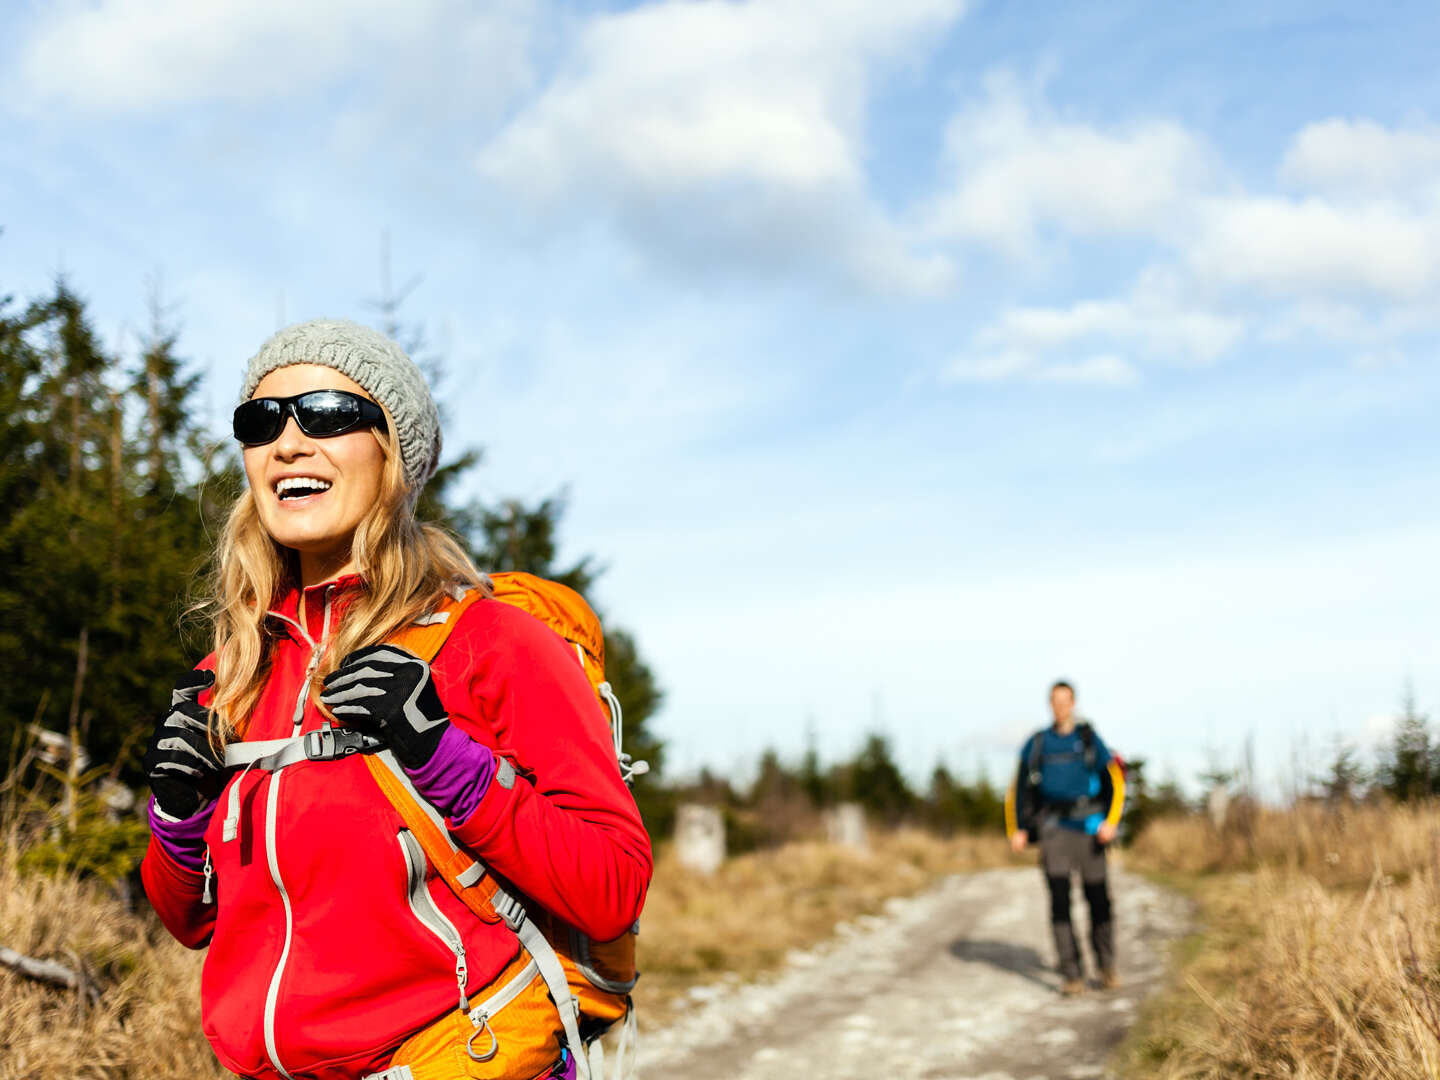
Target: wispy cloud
141 56
1155 322
1101 369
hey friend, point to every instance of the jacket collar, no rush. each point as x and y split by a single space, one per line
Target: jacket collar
303 610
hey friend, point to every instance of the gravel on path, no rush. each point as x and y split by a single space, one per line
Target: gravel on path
956 983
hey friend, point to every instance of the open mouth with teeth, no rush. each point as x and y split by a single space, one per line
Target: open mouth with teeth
300 487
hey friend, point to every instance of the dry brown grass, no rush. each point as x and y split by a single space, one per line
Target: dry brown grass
1336 846
147 1023
758 907
1321 954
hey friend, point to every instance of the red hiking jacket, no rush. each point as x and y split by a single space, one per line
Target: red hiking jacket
317 966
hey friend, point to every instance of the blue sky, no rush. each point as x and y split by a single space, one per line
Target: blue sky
899 358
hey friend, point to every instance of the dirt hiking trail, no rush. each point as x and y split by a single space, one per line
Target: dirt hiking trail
956 983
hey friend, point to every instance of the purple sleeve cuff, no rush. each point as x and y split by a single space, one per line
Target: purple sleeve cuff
183 841
457 775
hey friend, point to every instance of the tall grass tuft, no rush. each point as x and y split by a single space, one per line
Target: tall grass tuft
1322 953
147 1019
1336 845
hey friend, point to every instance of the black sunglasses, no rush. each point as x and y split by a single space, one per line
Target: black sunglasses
320 414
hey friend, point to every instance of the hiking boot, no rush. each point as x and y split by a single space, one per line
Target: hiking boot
1072 987
1110 979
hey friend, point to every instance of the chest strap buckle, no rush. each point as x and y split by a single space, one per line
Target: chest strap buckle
328 743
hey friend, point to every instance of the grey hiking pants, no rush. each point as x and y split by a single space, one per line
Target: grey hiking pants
1064 853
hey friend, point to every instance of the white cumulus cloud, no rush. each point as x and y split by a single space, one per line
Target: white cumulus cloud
728 132
1361 157
1314 247
1018 169
1343 251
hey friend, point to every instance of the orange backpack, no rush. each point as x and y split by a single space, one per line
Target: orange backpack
589 982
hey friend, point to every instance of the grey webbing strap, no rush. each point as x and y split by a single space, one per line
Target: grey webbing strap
595 1052
395 1072
267 754
629 1041
543 953
324 744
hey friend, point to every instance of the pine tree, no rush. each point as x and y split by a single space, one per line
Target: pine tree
513 536
57 548
813 780
160 382
876 782
104 534
951 803
942 804
1407 769
1344 781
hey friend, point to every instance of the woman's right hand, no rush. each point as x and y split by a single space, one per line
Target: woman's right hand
184 770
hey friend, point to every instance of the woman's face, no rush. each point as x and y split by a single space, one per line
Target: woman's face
319 525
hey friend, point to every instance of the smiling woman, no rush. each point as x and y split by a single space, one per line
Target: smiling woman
312 490
347 917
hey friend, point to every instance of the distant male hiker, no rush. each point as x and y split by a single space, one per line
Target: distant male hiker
1068 795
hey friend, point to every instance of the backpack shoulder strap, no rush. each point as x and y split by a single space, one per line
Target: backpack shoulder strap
467 878
425 636
1087 738
1037 757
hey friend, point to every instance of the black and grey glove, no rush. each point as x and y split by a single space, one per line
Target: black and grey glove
387 692
183 768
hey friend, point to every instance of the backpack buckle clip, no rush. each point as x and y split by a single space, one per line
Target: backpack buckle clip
510 909
328 743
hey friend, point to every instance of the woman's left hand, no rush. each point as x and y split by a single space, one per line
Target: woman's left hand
387 692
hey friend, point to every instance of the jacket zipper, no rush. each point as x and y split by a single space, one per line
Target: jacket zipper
317 650
272 995
506 994
272 856
422 904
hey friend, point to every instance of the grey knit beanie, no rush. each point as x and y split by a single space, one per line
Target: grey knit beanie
377 364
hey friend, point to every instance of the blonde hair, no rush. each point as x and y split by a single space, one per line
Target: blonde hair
406 566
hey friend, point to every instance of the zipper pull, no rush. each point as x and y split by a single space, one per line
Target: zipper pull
462 977
208 896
